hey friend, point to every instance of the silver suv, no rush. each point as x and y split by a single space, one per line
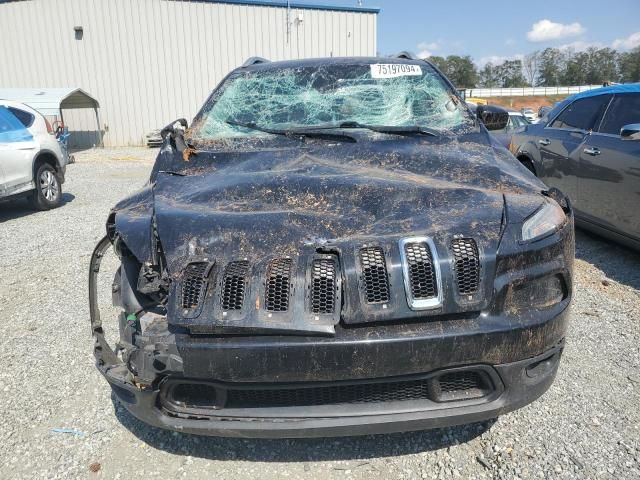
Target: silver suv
32 162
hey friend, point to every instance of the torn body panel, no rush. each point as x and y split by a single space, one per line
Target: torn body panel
299 280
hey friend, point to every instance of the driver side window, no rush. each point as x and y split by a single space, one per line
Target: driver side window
624 109
582 114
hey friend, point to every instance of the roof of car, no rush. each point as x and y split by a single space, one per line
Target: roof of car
14 104
622 88
318 62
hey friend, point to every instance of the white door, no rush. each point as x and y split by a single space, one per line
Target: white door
2 194
17 148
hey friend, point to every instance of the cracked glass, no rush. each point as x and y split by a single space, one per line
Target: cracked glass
326 96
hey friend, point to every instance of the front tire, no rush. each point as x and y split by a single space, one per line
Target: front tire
48 193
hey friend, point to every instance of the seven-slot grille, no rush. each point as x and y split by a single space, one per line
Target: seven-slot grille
323 285
466 265
277 286
374 274
419 264
422 274
193 284
234 285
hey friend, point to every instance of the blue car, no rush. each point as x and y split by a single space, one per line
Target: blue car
588 146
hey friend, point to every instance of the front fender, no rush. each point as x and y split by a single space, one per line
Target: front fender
59 166
528 150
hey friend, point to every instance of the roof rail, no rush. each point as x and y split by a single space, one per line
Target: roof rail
254 61
405 54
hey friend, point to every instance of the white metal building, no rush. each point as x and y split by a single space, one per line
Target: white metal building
149 62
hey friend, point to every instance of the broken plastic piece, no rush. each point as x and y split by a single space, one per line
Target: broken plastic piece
150 318
72 431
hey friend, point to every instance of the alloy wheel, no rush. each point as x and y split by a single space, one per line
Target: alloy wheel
49 185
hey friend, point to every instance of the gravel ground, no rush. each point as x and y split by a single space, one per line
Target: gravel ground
585 426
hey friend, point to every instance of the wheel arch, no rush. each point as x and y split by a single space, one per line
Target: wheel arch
48 157
526 160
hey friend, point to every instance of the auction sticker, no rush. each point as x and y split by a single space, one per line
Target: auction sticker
391 70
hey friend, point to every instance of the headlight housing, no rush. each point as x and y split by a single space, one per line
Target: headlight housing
549 218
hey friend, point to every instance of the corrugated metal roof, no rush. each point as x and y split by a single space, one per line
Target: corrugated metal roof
49 101
281 4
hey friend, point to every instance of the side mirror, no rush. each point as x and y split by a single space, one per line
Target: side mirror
630 132
493 118
176 128
174 134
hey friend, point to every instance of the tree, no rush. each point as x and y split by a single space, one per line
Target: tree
530 65
551 67
489 76
510 74
574 71
600 66
460 70
629 66
439 62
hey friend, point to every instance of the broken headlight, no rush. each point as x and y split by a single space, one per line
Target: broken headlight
549 218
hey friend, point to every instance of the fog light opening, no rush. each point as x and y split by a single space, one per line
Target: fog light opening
542 293
193 395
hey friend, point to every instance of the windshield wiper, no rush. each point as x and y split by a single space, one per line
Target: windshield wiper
292 132
399 129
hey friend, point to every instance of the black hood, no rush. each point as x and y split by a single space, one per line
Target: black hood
324 196
240 203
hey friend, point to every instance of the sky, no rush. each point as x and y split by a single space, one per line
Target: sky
499 30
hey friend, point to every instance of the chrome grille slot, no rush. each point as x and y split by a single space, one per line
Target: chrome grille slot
234 285
466 260
421 273
323 285
193 284
277 286
374 275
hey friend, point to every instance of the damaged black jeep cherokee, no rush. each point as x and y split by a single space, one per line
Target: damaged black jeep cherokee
335 247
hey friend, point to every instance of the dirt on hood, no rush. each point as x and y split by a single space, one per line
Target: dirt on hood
253 203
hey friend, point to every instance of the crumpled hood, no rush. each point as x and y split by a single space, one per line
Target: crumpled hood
321 200
252 204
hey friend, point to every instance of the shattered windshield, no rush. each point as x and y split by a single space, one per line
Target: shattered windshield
389 95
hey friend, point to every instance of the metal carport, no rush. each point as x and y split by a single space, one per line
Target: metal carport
51 101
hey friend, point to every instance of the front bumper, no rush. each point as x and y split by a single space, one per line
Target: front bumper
517 344
519 384
521 362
